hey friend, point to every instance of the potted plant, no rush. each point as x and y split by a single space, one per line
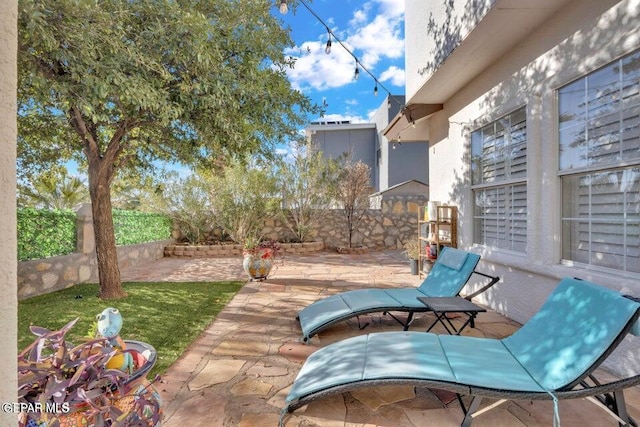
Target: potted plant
259 257
75 385
412 251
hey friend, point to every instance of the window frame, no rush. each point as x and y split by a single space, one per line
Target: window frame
507 219
569 224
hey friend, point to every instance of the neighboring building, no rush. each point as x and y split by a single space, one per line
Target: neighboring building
411 193
365 142
532 112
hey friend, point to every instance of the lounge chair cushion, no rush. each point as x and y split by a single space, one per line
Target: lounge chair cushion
571 334
442 281
453 259
493 365
575 326
412 356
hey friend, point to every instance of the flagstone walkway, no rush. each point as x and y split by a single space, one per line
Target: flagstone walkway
238 372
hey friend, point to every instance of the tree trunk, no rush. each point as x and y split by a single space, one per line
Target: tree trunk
102 167
108 270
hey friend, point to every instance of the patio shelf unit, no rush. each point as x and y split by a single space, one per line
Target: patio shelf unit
435 232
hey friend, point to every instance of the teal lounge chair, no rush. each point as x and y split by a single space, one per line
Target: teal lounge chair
448 276
552 356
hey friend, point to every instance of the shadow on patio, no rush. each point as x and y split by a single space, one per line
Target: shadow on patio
239 370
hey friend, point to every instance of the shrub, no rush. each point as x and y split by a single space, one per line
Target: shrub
45 233
188 202
242 198
133 227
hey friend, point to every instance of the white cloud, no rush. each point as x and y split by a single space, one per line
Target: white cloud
316 69
391 8
371 38
342 117
394 75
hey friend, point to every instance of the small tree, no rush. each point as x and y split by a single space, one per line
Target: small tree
307 185
242 197
125 84
352 191
188 202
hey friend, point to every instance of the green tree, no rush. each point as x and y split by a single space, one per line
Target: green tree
188 202
127 83
242 198
54 190
307 182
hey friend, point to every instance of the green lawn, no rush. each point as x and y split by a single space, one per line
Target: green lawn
168 316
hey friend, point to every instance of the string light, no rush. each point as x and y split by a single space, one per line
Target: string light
283 7
359 65
327 49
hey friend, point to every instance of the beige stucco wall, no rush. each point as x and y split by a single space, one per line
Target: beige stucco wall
584 35
453 21
8 248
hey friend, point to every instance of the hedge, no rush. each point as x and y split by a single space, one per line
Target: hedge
133 227
43 233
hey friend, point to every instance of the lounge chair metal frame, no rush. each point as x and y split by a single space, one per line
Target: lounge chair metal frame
608 396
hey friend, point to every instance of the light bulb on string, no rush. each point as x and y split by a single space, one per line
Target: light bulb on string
356 74
283 7
375 90
327 49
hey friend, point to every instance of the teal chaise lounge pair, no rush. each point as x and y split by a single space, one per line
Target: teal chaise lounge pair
552 356
447 278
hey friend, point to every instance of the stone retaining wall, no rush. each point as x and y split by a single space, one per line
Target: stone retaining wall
380 229
390 227
37 277
212 251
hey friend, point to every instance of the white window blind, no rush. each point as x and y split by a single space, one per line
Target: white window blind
600 117
601 219
499 172
599 137
501 217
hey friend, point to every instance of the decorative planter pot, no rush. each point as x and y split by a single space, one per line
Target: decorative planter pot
139 388
258 263
414 266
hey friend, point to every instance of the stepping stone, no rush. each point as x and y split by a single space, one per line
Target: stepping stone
259 420
216 372
264 370
241 348
251 387
326 412
206 405
376 397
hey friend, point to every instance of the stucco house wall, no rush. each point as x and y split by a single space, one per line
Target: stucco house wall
572 41
8 227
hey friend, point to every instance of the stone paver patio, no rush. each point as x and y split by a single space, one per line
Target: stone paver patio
238 372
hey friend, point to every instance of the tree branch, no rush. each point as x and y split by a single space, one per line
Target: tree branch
87 135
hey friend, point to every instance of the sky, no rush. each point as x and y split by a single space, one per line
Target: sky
373 30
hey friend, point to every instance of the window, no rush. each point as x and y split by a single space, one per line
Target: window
599 165
499 182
